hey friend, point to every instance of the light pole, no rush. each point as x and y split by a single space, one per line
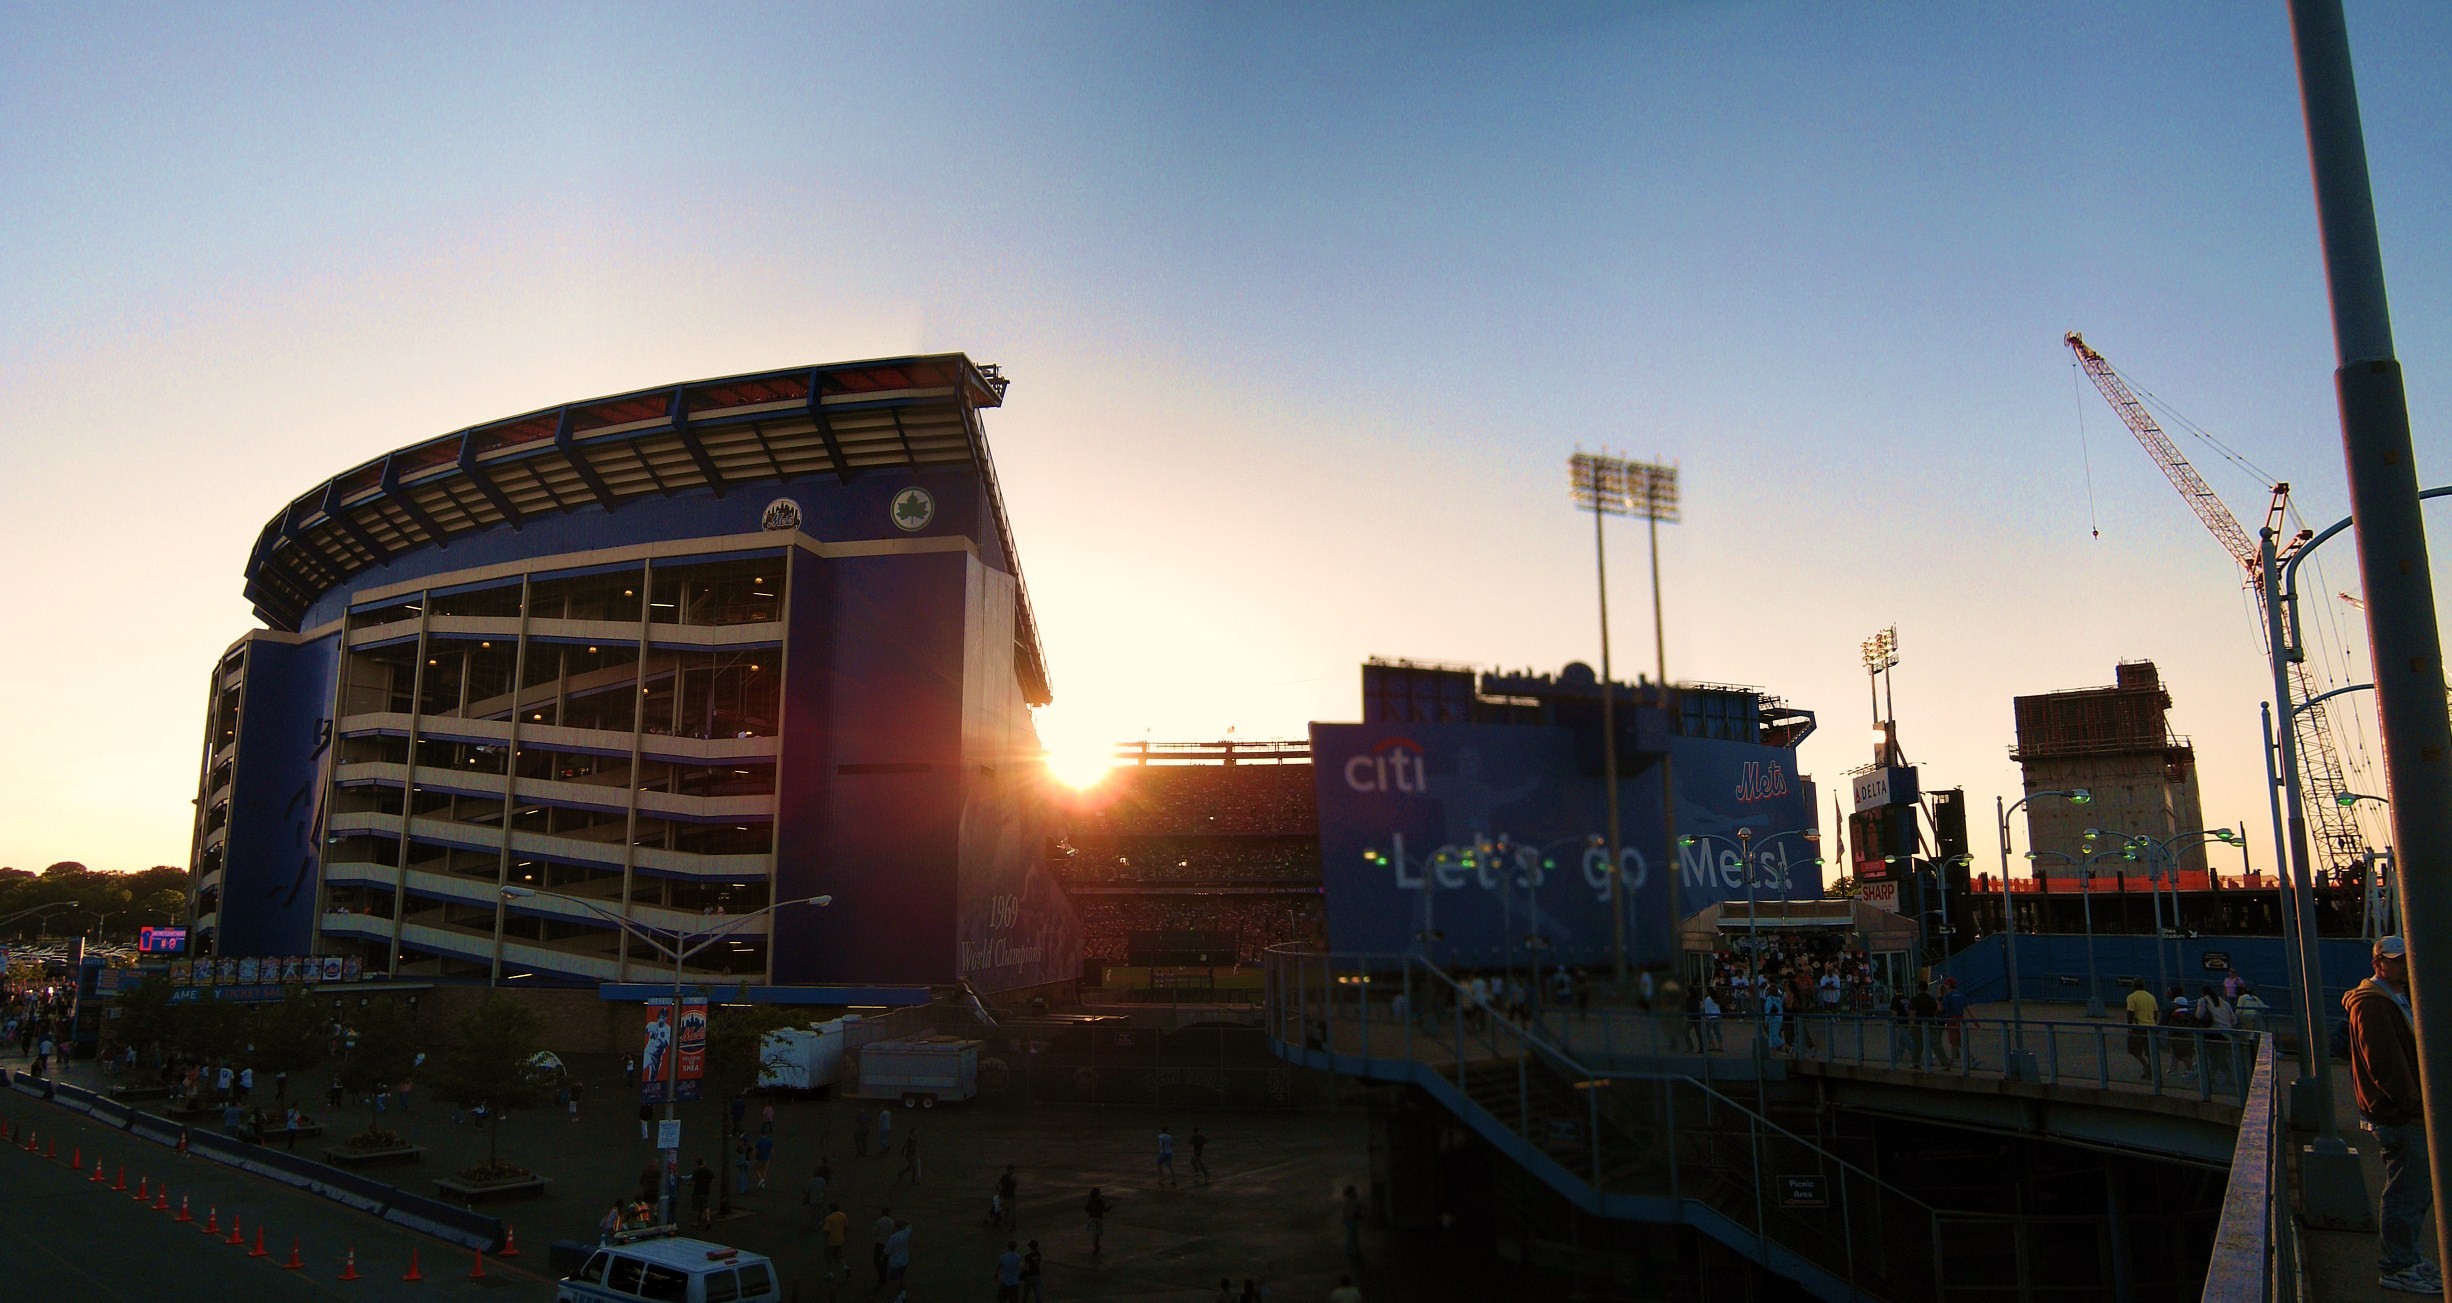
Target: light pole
2020 1063
1616 486
37 911
679 953
2085 888
2162 865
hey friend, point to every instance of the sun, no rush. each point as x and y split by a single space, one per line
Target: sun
1080 767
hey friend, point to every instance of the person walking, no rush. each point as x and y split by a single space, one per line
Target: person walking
1954 1024
813 1193
1166 1156
1924 1012
885 1131
2142 1013
1095 1209
2384 1076
877 1236
647 1119
765 1154
836 1226
910 1157
898 1257
1007 1188
702 1184
1033 1270
1008 1274
1200 1163
740 1166
1904 1043
1711 1023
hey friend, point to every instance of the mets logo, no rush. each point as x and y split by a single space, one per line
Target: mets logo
912 510
782 515
1761 784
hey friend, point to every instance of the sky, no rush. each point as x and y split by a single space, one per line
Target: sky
1305 308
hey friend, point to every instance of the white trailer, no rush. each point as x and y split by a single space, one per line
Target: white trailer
803 1058
918 1072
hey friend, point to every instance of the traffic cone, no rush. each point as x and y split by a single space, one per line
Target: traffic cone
99 1178
212 1220
349 1269
76 1157
413 1273
142 1193
510 1241
183 1216
161 1198
53 1151
235 1237
258 1250
477 1272
295 1262
122 1182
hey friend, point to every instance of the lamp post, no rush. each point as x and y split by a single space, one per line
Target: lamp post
2021 1064
1615 486
2162 865
38 911
679 953
2085 890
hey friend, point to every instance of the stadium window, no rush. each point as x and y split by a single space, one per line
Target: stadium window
609 596
389 613
380 679
496 601
719 592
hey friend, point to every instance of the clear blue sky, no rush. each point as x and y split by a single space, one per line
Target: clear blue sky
1305 309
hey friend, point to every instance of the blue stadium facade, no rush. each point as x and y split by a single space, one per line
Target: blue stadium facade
662 655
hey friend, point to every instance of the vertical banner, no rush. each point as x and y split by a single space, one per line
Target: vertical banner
678 1052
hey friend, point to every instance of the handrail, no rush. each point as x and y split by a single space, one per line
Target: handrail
2255 1251
1290 950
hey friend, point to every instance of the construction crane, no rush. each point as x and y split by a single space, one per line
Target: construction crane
2338 839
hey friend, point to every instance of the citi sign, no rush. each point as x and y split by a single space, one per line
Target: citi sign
1393 766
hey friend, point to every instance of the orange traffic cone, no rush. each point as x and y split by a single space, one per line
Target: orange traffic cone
143 1194
122 1182
53 1151
99 1178
510 1241
349 1269
258 1251
235 1237
212 1220
413 1273
161 1198
76 1156
183 1216
295 1262
477 1272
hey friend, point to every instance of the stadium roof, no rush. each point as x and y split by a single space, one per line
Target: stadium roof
842 418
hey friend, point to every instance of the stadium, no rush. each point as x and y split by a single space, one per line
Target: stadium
678 652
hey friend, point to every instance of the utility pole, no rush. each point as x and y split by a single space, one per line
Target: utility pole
2405 645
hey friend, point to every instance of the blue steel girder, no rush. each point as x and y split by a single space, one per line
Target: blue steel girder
689 440
339 515
569 448
390 485
484 482
825 427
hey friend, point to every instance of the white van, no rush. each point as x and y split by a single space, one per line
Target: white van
672 1271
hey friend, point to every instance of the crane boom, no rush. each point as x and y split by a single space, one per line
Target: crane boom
2339 840
2199 496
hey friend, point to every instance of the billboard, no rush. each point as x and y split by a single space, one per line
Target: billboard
1481 842
680 1054
161 940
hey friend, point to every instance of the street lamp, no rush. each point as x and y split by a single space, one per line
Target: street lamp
2348 799
2162 851
2085 885
38 910
2019 1063
679 952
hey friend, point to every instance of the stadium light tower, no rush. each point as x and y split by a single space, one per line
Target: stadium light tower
1615 486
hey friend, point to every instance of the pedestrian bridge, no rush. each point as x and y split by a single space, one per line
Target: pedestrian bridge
1625 1116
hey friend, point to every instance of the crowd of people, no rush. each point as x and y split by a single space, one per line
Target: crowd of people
1189 861
38 1016
1255 922
1196 800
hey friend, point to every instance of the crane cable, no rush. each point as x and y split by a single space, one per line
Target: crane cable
2077 384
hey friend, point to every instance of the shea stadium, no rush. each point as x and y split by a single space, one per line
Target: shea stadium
672 653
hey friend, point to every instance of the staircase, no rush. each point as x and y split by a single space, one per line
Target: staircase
1655 1148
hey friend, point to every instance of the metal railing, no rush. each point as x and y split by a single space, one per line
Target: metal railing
2255 1254
1646 1144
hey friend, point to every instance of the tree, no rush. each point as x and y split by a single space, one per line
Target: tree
378 1051
1840 888
488 1067
736 1056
